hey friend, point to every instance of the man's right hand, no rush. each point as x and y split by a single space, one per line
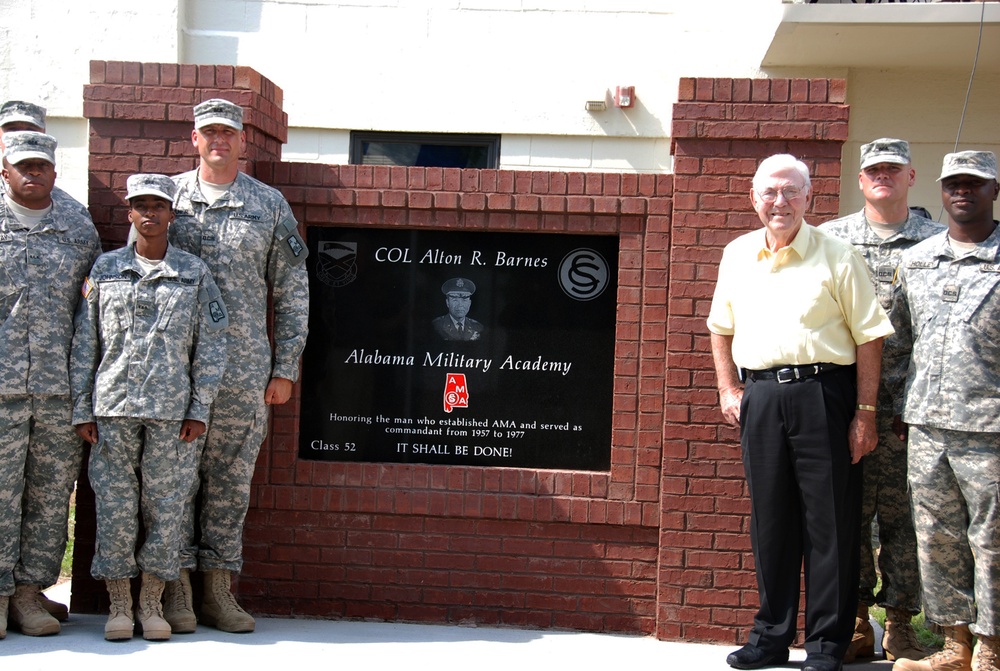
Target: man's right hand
87 431
900 428
730 400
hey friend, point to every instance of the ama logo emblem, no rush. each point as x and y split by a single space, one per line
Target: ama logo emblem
456 392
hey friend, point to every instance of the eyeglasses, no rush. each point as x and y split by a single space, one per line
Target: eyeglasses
789 192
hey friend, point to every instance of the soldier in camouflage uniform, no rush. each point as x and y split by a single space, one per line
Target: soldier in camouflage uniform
948 298
18 115
46 250
881 232
148 355
244 230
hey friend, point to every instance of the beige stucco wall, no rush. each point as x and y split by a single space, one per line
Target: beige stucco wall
922 106
925 108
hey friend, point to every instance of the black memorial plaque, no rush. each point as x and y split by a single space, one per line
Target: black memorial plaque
393 373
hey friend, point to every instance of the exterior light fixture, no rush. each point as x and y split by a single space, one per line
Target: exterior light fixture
624 96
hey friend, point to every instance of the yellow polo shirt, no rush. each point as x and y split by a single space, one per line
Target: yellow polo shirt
809 302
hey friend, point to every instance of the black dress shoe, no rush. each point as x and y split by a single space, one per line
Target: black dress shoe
817 661
752 657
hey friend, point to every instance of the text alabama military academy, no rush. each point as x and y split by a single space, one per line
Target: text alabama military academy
453 360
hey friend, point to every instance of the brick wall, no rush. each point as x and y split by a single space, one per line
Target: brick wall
470 544
657 544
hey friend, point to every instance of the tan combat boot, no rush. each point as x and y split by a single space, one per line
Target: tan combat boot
119 624
900 640
25 613
54 608
3 616
150 611
956 655
219 608
863 642
178 604
987 654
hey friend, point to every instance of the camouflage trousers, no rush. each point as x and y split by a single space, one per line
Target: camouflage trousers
40 458
236 429
954 477
139 466
886 498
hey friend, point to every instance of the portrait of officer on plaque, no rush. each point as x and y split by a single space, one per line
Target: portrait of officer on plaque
457 325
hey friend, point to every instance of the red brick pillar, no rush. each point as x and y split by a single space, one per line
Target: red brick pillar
722 128
141 116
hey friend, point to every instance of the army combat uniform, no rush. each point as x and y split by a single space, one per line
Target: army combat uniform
249 241
149 352
41 271
885 489
952 396
67 203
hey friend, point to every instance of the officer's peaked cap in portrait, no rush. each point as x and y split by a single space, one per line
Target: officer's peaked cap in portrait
458 286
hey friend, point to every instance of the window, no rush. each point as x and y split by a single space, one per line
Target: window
432 150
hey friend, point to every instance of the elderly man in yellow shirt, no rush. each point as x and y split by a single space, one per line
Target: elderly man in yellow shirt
795 316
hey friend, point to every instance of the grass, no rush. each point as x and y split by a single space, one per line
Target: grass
66 571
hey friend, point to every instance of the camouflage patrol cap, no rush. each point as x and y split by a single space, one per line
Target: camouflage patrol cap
885 150
458 286
979 163
24 144
13 111
217 110
151 184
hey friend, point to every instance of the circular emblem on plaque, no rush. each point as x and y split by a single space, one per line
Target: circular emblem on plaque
583 274
336 263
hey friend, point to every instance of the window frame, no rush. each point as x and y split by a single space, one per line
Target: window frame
491 142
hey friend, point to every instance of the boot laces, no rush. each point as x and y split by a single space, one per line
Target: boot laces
177 597
224 597
986 654
952 649
27 601
150 602
119 591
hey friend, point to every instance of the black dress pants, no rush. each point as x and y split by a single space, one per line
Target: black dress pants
806 507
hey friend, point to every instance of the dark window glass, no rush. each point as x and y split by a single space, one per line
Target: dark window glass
430 150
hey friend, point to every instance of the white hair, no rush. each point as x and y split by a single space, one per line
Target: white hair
779 163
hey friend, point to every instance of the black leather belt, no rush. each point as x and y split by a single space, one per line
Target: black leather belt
785 374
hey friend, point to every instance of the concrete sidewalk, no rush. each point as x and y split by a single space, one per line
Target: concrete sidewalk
283 643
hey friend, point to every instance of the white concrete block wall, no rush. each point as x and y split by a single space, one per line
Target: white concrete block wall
45 51
317 145
514 67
